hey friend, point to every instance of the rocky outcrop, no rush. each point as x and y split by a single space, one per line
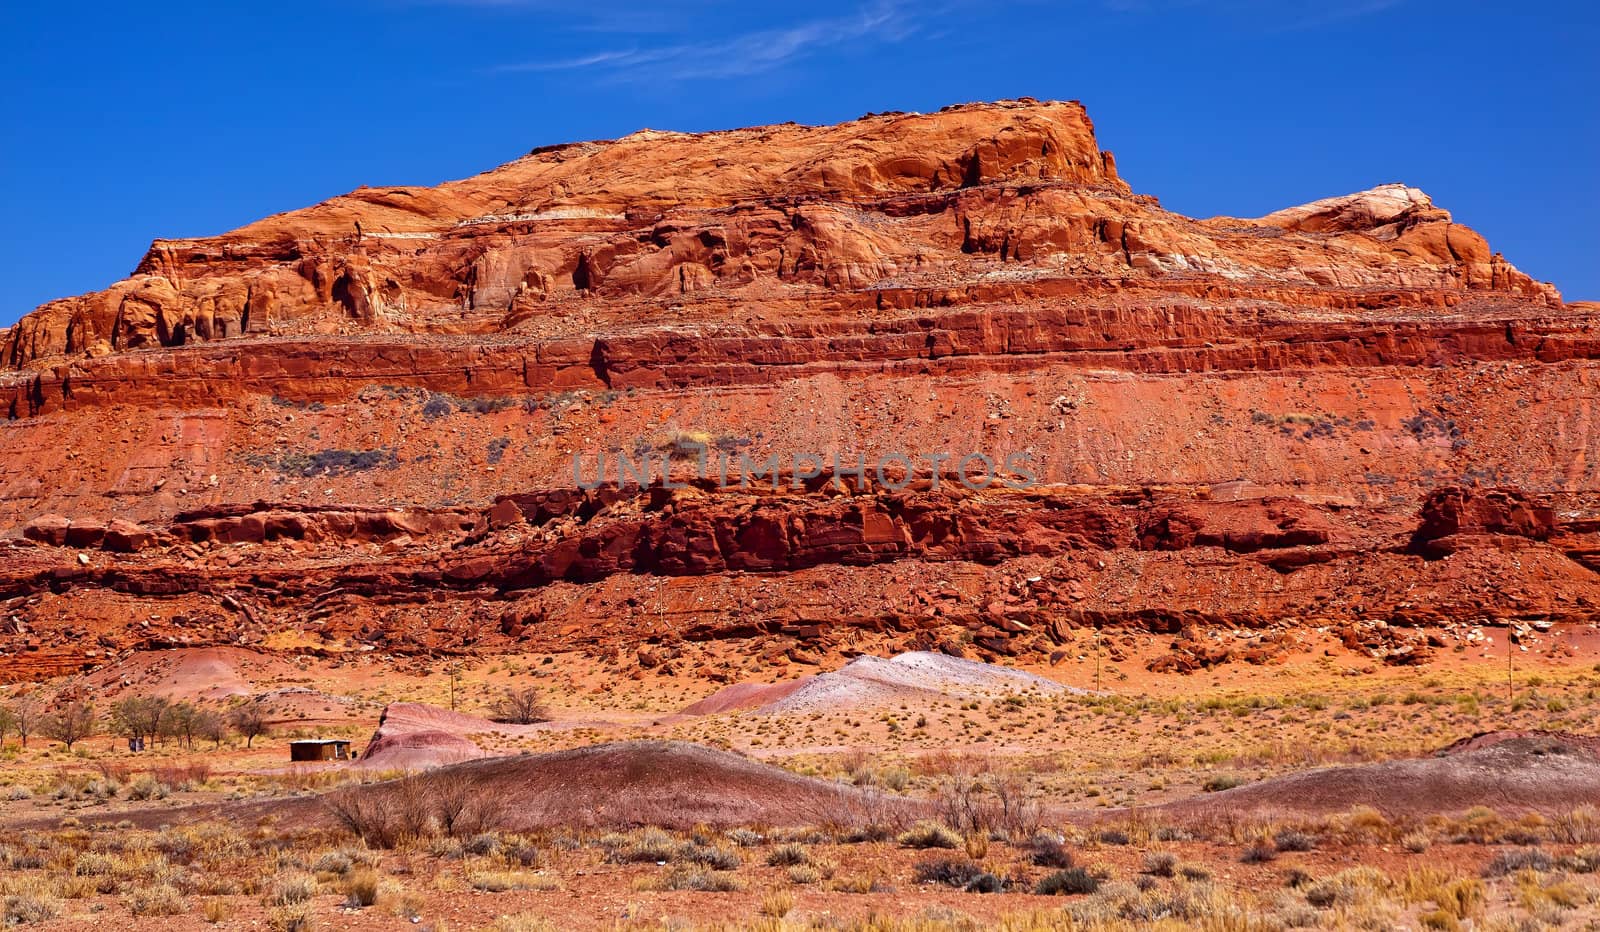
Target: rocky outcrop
1454 518
358 421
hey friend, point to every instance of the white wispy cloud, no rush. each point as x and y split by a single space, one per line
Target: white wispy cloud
1268 15
739 55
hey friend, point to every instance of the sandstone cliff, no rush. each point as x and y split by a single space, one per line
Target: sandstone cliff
358 419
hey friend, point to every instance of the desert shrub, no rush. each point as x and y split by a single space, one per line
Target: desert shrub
325 462
646 845
1161 864
332 862
1258 853
1367 819
1223 781
294 918
950 872
861 883
788 856
870 831
446 849
19 859
524 706
1585 860
159 900
1070 882
215 911
803 874
1579 827
483 845
722 859
777 903
521 852
1509 862
1051 852
1348 887
26 909
437 406
930 835
361 888
700 879
1292 840
185 776
502 881
290 889
1113 836
745 838
522 922
954 872
372 821
865 814
94 864
1416 842
894 778
146 786
414 807
407 904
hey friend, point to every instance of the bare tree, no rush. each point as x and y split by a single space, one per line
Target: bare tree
181 722
521 707
141 716
210 726
25 717
69 723
249 720
8 721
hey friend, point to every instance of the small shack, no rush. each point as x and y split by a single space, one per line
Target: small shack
315 749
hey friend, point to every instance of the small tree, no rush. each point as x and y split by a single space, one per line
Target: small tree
141 716
8 721
181 721
249 720
25 717
521 707
69 723
211 727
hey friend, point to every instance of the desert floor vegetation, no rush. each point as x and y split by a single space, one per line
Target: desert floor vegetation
1024 809
1481 870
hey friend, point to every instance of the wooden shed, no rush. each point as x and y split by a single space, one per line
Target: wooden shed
315 749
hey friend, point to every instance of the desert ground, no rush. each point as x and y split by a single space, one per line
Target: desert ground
1317 790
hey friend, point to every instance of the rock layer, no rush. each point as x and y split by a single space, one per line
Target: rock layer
357 421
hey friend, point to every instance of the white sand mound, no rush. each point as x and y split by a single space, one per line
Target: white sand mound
873 681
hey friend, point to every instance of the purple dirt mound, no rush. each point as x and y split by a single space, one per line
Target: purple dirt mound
415 736
1515 773
1489 739
633 783
741 696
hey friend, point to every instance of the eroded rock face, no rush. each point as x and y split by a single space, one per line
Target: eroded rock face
359 419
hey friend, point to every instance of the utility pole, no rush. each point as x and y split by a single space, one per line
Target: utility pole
1097 656
1510 687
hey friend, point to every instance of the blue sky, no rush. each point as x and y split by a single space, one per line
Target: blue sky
127 122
